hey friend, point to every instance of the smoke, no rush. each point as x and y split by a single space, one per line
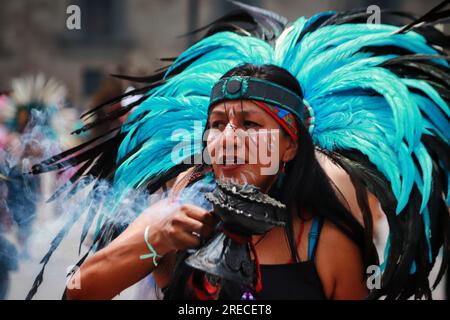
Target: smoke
81 211
28 222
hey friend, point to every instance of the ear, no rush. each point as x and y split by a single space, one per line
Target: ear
291 150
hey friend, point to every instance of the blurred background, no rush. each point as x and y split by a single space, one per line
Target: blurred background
124 36
116 37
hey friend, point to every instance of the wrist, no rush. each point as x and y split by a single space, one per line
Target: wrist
157 242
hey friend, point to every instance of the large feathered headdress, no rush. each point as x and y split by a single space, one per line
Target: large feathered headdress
379 107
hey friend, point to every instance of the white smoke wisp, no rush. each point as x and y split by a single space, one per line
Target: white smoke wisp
34 221
78 206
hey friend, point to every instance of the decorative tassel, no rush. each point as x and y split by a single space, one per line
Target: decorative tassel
247 295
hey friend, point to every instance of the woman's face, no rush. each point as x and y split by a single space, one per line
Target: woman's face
246 144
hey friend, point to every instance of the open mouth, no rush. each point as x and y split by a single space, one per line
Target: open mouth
230 168
232 163
226 161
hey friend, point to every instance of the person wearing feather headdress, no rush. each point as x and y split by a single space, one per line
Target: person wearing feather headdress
371 98
28 113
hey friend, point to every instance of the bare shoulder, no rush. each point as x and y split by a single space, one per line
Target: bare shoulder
339 264
334 239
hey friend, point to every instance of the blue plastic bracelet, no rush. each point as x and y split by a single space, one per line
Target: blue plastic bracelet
153 253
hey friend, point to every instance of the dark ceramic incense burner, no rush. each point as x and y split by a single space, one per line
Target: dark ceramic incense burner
244 211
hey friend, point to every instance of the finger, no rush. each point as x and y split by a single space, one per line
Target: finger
187 223
196 213
186 240
193 211
191 225
201 214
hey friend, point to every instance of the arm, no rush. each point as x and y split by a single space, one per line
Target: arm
118 266
340 265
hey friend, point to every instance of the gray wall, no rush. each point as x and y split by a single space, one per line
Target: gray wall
121 36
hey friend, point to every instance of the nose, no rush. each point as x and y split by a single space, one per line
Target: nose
229 136
229 129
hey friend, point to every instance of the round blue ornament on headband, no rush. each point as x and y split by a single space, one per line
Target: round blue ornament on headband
234 87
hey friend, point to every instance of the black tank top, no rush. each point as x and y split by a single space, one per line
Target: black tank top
294 281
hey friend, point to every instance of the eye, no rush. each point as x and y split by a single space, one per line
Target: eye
218 124
251 124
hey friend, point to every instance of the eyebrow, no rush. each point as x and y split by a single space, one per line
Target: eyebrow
220 112
245 113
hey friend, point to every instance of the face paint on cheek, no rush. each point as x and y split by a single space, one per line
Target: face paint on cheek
212 138
268 151
252 146
274 139
241 147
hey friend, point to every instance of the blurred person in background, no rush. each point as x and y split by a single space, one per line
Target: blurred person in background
33 105
8 252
